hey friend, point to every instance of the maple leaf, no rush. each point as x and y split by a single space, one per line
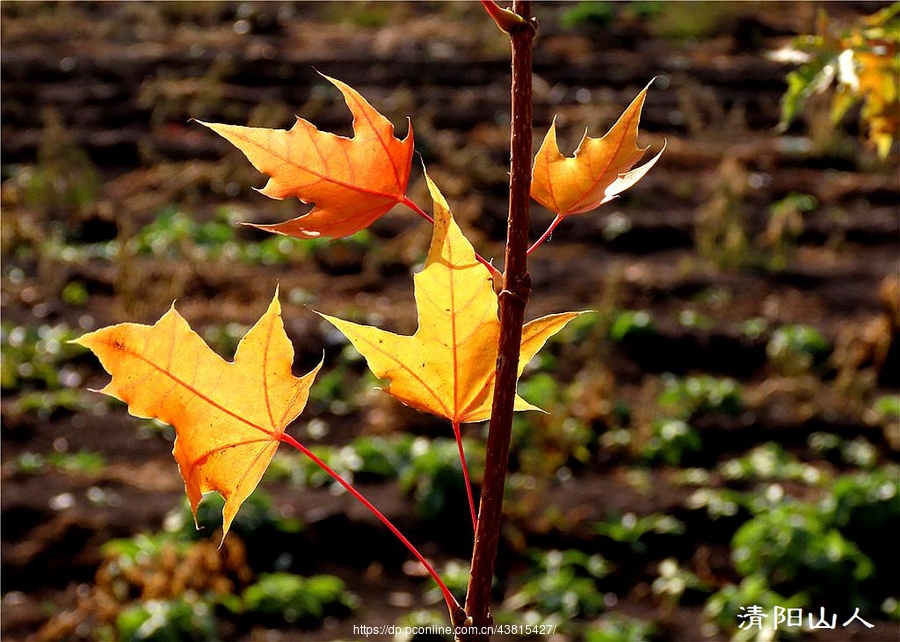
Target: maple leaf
352 181
228 417
447 367
599 170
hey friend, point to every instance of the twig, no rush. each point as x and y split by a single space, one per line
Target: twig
513 298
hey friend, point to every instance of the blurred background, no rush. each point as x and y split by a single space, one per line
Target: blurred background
722 430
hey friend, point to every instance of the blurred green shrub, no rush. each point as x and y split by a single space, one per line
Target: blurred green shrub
784 226
670 441
687 397
630 529
591 13
615 627
81 462
433 475
677 585
795 546
283 597
724 606
770 461
181 619
562 583
39 357
630 324
257 514
862 63
796 348
866 501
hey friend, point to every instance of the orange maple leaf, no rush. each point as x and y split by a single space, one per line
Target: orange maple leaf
597 172
447 367
352 181
228 417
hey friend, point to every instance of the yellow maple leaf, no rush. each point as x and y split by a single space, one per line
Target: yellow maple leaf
447 367
599 170
228 417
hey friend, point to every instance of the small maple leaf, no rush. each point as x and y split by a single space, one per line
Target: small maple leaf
352 181
597 172
447 367
228 417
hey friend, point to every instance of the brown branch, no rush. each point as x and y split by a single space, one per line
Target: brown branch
513 298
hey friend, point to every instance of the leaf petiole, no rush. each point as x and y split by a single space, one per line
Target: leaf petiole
452 604
465 469
545 235
495 273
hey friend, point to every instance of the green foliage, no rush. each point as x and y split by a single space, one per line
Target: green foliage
887 406
294 598
867 501
724 606
455 574
686 21
433 475
46 404
685 398
863 62
793 545
257 513
676 21
38 363
631 323
754 327
337 390
857 452
75 293
615 627
224 338
412 620
577 331
770 461
38 357
563 583
81 462
542 389
275 598
630 529
718 502
670 441
891 608
796 348
674 581
588 13
143 548
175 234
784 226
693 319
543 443
427 469
180 619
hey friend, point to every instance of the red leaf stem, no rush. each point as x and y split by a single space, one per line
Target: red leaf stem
452 604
